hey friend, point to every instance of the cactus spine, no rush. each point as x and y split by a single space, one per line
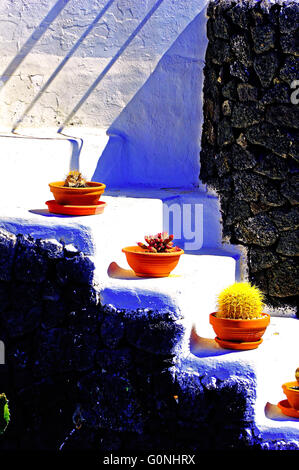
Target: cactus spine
240 301
75 179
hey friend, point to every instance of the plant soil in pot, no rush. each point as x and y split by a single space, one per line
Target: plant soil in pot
75 190
239 322
155 259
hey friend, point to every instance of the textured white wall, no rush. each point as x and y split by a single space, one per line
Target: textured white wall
132 67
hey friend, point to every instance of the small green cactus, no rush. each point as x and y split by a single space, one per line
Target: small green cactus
160 243
4 413
75 179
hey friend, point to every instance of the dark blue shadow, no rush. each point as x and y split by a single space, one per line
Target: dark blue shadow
206 347
155 141
46 213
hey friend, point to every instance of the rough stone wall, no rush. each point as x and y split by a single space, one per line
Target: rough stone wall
82 376
250 136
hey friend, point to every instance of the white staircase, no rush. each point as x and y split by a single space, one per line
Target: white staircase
31 163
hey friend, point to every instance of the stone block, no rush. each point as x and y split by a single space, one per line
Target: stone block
288 243
78 269
272 166
266 66
263 37
289 17
290 69
247 114
30 264
225 134
286 219
283 115
109 401
258 230
260 259
247 92
159 333
241 48
7 254
283 281
112 330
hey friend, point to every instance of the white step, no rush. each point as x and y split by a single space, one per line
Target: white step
265 369
32 161
195 281
190 290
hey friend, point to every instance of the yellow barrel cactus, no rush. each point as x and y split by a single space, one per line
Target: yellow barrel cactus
241 300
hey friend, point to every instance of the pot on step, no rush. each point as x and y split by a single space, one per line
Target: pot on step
146 264
291 390
77 196
239 333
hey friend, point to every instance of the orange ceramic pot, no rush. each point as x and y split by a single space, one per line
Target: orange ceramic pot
146 264
292 393
240 331
77 196
55 208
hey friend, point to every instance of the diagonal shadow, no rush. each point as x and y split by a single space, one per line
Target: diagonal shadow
161 125
34 38
63 63
110 64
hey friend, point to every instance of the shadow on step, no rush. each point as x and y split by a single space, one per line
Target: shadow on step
273 412
116 272
46 213
206 347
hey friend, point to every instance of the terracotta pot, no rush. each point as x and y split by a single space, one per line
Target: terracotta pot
77 196
56 208
292 395
239 331
151 264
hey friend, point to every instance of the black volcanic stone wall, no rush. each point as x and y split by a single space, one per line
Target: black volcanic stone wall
250 136
80 376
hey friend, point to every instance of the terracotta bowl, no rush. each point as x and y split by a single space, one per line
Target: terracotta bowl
77 196
151 264
239 330
292 395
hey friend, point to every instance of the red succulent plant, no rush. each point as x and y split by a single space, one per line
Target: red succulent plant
159 243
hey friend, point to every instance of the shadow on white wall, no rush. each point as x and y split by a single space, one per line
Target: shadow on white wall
155 141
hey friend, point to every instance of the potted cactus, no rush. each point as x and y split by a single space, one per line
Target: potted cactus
157 258
83 196
290 406
75 190
239 322
4 413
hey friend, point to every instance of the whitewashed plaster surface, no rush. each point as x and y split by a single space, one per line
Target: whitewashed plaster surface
132 68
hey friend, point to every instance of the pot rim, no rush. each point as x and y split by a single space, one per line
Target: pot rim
91 185
133 250
245 322
288 385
